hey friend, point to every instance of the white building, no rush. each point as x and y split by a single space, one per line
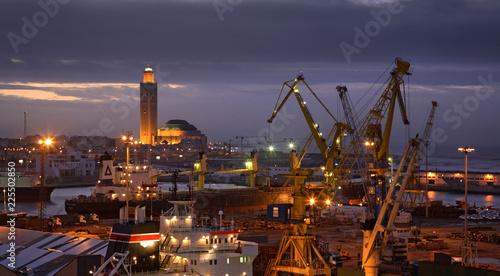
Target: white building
67 164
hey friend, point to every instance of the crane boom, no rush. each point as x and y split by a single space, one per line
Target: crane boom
328 152
371 250
349 115
371 128
427 134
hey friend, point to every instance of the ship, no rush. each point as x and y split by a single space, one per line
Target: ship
189 246
181 243
26 184
110 193
478 182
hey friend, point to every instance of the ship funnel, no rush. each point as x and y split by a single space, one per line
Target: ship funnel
140 214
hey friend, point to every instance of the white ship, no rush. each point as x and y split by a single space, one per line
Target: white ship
190 249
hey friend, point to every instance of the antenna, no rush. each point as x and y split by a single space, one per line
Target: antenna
25 128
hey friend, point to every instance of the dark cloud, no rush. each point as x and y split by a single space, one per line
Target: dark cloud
233 69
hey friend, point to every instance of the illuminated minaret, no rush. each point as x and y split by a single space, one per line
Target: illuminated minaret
149 107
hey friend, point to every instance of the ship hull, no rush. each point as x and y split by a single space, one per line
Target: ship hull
246 200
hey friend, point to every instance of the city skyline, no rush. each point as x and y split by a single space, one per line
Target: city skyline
75 66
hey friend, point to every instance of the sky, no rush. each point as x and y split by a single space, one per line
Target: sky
75 66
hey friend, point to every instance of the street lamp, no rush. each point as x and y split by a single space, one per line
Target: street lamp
466 253
127 139
44 144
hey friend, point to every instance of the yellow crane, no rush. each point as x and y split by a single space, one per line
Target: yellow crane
338 131
371 129
297 253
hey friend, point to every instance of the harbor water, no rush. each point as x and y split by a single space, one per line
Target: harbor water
59 195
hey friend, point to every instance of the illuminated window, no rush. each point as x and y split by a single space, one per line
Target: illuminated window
241 259
227 260
276 212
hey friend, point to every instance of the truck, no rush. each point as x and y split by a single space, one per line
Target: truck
73 219
92 218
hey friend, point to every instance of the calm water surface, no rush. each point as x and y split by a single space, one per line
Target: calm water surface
56 205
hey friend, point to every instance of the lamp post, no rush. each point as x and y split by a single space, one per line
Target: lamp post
44 144
466 251
127 139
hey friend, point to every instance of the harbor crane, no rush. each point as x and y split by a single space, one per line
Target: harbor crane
375 239
371 129
416 195
374 137
297 253
243 137
330 153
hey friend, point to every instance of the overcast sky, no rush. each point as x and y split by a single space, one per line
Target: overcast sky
75 66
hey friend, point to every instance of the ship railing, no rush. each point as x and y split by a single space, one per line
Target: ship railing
175 249
197 229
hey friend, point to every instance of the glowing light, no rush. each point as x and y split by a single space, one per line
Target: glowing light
328 202
311 201
466 149
146 243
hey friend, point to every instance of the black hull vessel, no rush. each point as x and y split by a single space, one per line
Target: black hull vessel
210 201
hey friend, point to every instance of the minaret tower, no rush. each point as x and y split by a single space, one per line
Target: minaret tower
149 107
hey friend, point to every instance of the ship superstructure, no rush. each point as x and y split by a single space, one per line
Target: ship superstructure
110 192
202 247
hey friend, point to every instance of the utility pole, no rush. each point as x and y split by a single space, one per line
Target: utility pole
127 139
